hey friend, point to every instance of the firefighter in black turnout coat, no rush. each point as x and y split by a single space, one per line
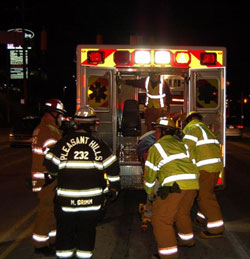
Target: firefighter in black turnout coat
87 171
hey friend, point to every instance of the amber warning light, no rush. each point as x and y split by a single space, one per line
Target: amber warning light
182 58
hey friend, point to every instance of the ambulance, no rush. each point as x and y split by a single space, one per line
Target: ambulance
197 80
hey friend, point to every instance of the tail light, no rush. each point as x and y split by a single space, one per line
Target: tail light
208 58
239 127
95 57
122 57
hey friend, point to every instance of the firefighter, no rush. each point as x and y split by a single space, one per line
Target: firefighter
87 172
46 134
205 151
158 98
144 143
168 163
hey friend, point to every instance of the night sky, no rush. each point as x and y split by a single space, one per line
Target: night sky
182 23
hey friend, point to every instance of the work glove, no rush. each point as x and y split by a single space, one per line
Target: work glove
112 194
151 197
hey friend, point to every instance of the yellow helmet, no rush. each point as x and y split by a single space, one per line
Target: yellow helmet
193 114
164 122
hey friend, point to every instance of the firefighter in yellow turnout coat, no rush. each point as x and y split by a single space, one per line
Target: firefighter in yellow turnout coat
158 98
205 150
168 163
45 135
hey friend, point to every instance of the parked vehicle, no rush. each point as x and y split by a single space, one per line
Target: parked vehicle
21 132
234 127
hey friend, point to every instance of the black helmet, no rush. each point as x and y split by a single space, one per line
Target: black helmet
192 114
54 105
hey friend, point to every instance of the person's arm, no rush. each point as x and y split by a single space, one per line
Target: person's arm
140 83
111 168
51 162
190 140
151 171
168 94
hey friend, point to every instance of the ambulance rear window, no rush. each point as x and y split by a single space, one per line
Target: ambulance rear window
207 93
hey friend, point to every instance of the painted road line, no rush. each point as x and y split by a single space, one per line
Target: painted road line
19 239
242 252
17 225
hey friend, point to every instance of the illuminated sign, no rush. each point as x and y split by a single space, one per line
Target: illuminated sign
16 55
16 64
28 34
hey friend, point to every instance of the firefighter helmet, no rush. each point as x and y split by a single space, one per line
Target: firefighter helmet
85 115
164 122
192 114
54 105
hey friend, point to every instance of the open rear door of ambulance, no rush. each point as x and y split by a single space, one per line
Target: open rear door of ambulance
207 94
98 90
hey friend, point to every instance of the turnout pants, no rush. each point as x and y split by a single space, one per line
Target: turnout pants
174 209
209 208
44 232
76 232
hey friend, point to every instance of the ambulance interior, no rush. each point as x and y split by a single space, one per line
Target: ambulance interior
131 108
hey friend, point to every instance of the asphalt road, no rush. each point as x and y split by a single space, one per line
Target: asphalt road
119 234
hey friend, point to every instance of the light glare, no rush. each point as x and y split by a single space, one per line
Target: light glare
142 57
162 57
182 57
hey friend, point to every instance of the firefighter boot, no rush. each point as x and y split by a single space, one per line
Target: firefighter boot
145 216
45 251
140 209
207 235
145 222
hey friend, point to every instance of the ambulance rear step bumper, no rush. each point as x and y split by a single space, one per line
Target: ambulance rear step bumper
131 176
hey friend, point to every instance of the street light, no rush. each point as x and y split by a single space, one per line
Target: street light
245 100
64 89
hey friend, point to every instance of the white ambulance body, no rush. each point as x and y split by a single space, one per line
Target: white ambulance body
197 79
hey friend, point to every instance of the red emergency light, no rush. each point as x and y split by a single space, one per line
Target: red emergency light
122 57
208 58
95 57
